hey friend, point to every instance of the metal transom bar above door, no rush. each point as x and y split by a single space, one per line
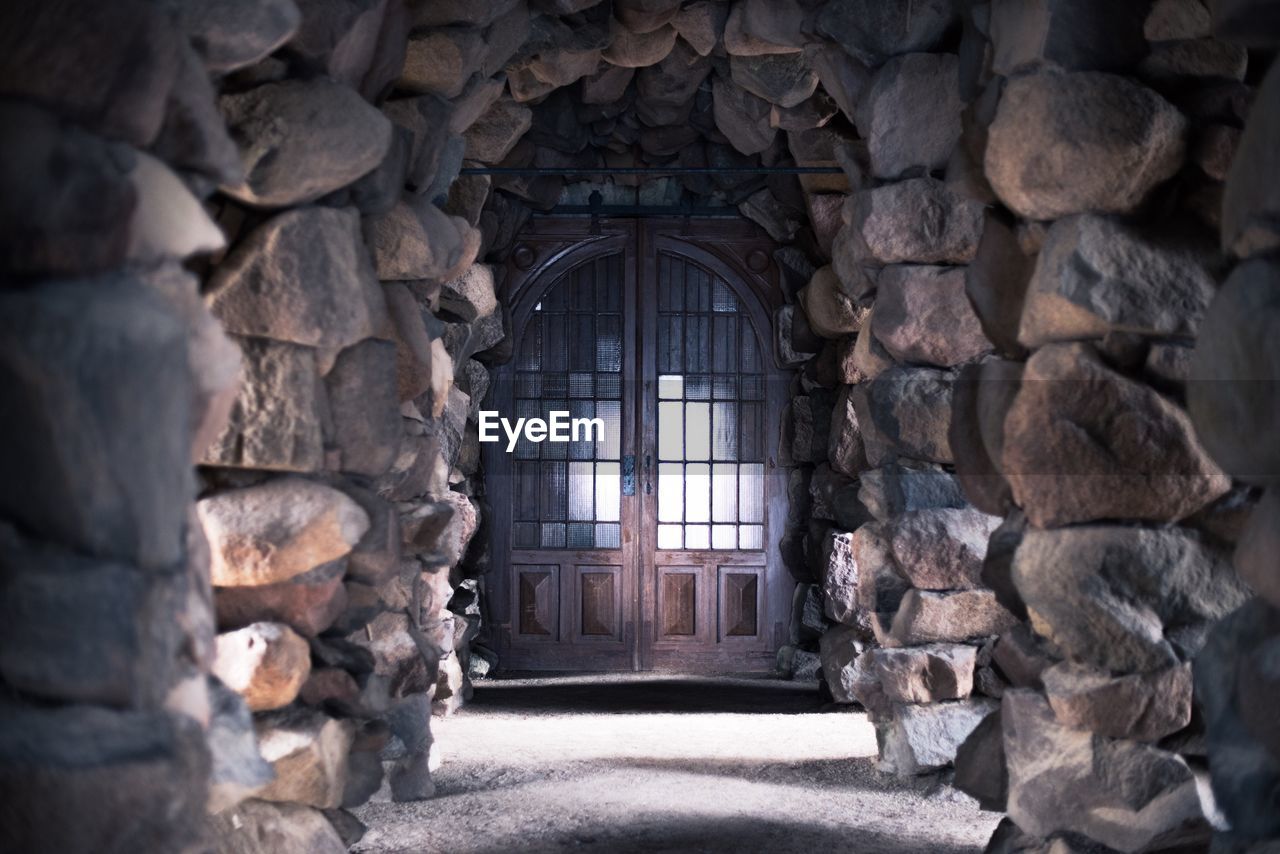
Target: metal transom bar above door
652 543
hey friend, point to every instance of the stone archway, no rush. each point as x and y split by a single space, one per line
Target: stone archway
250 302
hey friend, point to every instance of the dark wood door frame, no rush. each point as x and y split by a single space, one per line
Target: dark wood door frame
738 253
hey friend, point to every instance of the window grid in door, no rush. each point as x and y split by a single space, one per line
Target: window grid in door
568 494
711 416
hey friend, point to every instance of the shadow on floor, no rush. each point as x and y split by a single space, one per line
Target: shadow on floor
655 694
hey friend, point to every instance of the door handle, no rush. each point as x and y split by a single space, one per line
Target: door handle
629 474
648 482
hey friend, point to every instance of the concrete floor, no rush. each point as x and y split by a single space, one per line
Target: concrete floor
646 763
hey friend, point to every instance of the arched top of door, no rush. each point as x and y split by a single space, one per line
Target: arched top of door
735 251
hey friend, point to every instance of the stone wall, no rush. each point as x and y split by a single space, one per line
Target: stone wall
249 302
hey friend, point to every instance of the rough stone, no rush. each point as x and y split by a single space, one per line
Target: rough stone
701 24
905 411
238 770
1177 19
844 440
440 61
927 617
266 663
1129 600
261 827
871 31
782 79
96 452
919 739
926 674
859 580
365 407
1096 275
923 316
233 34
847 666
940 549
980 766
304 277
1124 794
1069 458
417 240
895 489
308 603
1074 35
300 140
1182 61
741 117
917 221
910 117
493 135
1081 142
280 529
434 146
638 50
1235 373
830 311
1140 706
276 421
996 282
114 766
308 751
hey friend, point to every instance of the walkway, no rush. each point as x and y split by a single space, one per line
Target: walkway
649 763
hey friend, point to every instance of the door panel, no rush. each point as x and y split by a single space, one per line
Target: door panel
650 547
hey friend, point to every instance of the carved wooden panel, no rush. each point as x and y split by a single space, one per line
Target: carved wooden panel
599 602
740 590
678 602
538 600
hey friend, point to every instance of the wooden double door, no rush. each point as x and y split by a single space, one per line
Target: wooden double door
648 541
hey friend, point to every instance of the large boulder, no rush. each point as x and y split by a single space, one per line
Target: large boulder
1235 373
830 311
905 412
910 117
304 277
1251 202
302 139
98 393
1128 600
846 665
872 31
1081 142
492 136
923 316
277 420
940 549
1140 706
918 739
1070 457
743 118
966 615
917 221
1097 275
308 751
926 674
274 531
1124 794
266 663
416 240
440 61
1075 35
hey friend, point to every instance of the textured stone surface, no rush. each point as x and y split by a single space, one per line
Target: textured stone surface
905 411
830 311
1258 546
1124 599
996 281
300 140
916 221
1070 458
308 603
859 579
926 617
925 674
1075 35
940 549
847 667
276 421
308 750
895 489
910 117
417 240
493 135
1095 275
303 277
872 31
919 739
237 769
782 79
439 62
1065 143
266 663
96 452
231 34
1142 706
637 50
741 116
1234 392
980 767
261 827
844 440
1123 794
923 316
270 533
364 407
